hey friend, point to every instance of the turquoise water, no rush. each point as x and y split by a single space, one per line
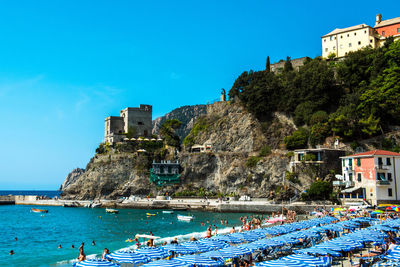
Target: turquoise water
39 236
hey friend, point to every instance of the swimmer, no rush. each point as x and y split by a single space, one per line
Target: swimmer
59 246
93 243
16 238
11 252
72 246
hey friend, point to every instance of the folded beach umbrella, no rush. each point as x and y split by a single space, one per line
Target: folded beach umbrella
199 260
281 263
96 262
228 238
309 260
197 246
165 263
318 251
153 253
128 257
214 244
178 249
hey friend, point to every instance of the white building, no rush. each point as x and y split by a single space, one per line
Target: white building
373 176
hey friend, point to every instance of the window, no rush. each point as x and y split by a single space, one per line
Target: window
389 175
350 162
358 177
326 49
348 35
381 176
334 47
398 30
349 44
341 46
359 42
140 123
331 38
388 161
358 162
365 31
350 177
370 41
380 161
355 34
390 193
324 40
341 36
383 33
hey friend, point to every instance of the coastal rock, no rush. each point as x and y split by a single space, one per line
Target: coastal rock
186 114
71 178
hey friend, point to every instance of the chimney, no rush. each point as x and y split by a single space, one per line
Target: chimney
378 19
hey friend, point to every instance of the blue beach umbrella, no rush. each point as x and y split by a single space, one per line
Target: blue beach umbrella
199 260
153 253
216 254
233 252
310 260
197 246
330 246
229 239
246 237
318 251
347 245
214 244
165 263
96 262
178 249
127 257
281 263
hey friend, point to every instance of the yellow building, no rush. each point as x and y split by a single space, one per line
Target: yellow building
339 42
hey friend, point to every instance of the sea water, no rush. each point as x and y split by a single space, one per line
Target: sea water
40 234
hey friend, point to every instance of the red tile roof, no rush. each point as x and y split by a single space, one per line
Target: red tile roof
375 153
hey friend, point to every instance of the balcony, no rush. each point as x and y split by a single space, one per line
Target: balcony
382 167
343 183
382 182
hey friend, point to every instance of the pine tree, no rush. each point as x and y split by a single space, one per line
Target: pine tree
288 65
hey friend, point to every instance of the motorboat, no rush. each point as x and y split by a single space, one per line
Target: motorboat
39 210
168 211
185 218
112 211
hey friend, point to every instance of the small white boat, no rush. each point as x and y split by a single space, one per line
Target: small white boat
185 218
168 211
112 211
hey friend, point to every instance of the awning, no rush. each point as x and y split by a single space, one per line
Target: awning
350 190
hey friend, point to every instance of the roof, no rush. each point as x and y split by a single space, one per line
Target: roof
337 31
387 22
350 190
374 153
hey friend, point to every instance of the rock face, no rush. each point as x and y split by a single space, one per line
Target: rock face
186 114
71 178
233 166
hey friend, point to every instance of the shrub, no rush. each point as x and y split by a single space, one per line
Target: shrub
298 139
319 190
319 117
252 161
265 151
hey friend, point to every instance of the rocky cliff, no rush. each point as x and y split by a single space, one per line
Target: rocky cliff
186 114
71 178
234 166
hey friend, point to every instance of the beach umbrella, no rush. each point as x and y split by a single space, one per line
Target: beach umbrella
197 246
318 251
280 263
310 260
233 252
246 237
347 245
378 211
199 260
164 263
216 254
153 253
96 262
229 239
214 244
330 246
127 257
178 249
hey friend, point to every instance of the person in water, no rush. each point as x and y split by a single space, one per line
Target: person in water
59 246
82 255
209 232
105 253
11 252
175 241
93 243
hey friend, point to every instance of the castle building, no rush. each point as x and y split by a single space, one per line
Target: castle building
373 176
137 121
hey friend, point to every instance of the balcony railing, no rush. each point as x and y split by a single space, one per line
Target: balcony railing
382 182
343 183
382 167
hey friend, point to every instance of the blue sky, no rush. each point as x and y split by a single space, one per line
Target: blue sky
66 65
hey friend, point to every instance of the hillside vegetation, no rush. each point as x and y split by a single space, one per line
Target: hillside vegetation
354 98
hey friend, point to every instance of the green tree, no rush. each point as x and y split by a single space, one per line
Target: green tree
298 139
319 190
268 65
288 65
167 132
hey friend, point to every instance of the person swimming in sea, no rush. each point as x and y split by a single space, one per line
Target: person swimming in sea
105 253
93 243
11 252
59 246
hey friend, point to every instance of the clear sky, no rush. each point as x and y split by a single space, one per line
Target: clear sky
66 65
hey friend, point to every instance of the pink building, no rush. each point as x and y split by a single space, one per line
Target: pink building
373 176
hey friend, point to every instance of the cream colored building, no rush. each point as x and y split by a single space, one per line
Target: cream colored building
342 41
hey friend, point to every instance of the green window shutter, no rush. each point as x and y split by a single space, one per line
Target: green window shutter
358 162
